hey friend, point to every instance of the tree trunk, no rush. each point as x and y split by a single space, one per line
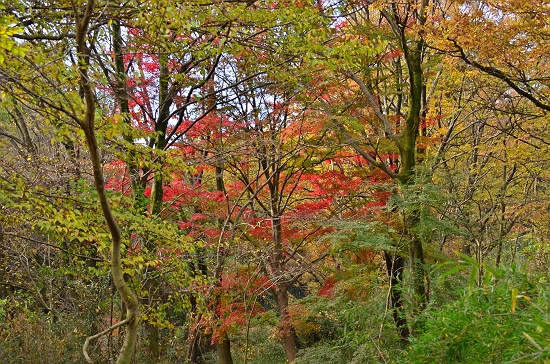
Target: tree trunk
290 339
193 340
224 350
413 50
395 265
416 254
223 345
88 126
280 291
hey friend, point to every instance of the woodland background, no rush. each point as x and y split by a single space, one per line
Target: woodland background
271 182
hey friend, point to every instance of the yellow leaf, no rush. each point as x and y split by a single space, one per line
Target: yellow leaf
514 299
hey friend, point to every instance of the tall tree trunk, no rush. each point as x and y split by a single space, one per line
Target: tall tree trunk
224 350
121 95
157 190
223 345
413 48
413 51
122 98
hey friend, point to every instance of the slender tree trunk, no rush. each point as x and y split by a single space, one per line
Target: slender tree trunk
413 48
157 190
196 329
121 95
88 126
223 345
122 98
413 51
290 339
416 253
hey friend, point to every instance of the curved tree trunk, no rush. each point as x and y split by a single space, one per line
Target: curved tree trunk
88 126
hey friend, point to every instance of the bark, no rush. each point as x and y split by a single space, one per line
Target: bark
193 340
154 340
196 329
291 343
140 203
413 51
290 339
416 253
157 191
122 98
413 48
223 346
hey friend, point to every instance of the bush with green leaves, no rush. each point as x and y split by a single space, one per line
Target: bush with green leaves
503 321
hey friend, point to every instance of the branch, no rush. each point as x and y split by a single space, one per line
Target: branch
43 36
387 125
495 72
356 147
106 331
55 247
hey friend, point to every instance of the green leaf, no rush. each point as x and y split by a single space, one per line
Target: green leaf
493 270
468 259
453 270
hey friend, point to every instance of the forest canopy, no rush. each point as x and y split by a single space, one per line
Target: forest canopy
267 182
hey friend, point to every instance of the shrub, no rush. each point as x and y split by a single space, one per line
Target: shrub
485 325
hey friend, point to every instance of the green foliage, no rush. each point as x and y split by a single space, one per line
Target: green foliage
354 236
258 343
8 28
423 198
319 354
347 329
504 321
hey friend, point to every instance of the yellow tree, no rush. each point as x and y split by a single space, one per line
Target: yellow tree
505 39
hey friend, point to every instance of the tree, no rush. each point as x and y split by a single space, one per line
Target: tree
515 29
398 112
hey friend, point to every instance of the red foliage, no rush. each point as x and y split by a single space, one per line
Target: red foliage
328 288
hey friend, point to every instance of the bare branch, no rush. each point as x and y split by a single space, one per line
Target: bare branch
43 36
387 125
355 146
